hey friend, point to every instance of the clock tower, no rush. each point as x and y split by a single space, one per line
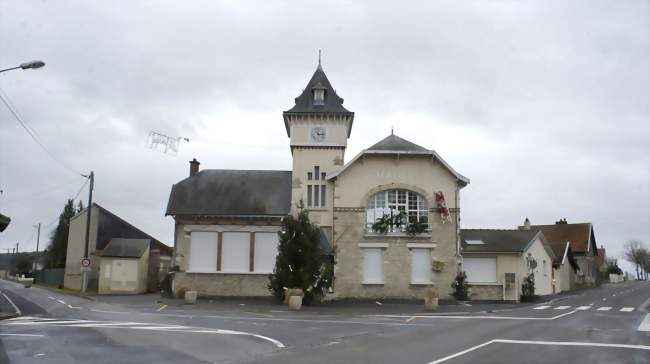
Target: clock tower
318 127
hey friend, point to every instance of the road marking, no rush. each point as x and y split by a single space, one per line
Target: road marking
162 308
562 307
550 343
627 309
461 352
62 302
645 324
582 308
258 313
411 319
119 312
74 307
50 297
28 335
541 307
18 312
605 308
140 326
483 317
604 299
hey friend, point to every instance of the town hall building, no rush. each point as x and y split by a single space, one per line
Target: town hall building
389 215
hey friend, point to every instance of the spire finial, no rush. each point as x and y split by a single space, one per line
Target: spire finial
391 130
319 66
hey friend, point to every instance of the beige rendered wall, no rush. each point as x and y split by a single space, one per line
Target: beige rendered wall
108 276
563 278
372 173
75 251
543 282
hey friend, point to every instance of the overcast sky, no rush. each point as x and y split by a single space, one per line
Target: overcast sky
543 105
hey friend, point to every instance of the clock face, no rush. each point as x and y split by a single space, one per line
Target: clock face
317 134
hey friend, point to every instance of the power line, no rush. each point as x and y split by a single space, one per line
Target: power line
23 123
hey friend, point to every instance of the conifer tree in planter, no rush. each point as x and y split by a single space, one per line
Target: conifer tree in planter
301 263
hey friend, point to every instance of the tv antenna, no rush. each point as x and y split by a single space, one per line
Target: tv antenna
164 143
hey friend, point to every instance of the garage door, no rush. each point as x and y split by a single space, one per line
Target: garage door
480 270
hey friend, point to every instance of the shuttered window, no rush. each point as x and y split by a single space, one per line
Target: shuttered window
266 250
480 270
421 266
373 270
235 252
203 251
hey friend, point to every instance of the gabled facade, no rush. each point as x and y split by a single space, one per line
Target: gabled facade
105 226
393 179
497 261
583 249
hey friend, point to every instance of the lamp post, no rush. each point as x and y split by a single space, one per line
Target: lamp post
26 66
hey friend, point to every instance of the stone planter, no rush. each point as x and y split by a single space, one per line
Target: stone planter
190 297
295 303
430 299
292 292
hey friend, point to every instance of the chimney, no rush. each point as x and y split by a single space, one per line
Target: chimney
526 224
194 167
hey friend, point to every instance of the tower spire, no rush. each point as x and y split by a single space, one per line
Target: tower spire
319 66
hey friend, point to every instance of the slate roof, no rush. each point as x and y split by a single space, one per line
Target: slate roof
395 143
111 226
305 102
579 235
496 241
126 248
4 222
214 192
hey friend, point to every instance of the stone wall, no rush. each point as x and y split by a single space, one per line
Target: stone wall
221 284
486 292
349 233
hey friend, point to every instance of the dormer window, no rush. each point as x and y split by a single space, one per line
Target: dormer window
319 97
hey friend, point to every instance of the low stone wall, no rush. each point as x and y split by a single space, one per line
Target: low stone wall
222 285
486 292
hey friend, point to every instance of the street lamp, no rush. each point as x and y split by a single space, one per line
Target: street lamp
26 65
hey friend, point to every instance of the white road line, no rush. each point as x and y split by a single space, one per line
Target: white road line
29 335
551 343
106 324
582 308
50 297
605 308
645 324
18 312
48 322
75 307
541 307
120 312
62 302
461 352
482 317
158 327
571 343
627 309
562 307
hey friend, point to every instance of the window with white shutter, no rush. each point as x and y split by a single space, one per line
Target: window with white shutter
421 266
480 270
266 250
373 270
235 252
203 252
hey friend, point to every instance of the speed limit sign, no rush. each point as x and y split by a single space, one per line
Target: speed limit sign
85 265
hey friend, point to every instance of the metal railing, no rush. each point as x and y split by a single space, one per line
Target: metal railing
396 228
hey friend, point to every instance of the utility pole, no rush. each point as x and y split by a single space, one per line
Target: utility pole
17 247
38 239
84 273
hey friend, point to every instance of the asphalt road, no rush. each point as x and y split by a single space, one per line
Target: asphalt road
600 325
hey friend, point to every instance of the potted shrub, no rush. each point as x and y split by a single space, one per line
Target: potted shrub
295 296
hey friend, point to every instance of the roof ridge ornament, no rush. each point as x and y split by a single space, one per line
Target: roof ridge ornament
319 65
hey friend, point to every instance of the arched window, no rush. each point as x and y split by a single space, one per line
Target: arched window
411 205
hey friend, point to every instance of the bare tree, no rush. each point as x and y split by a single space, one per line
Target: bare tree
633 252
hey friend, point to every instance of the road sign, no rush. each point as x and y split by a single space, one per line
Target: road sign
85 265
